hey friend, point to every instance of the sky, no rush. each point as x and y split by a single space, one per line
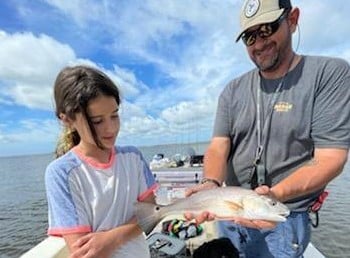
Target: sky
169 58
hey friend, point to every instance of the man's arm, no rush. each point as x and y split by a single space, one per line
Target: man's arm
215 158
325 166
215 165
316 174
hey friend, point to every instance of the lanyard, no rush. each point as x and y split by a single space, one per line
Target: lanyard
266 126
263 130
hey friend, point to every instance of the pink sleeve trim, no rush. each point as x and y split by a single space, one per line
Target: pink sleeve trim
147 193
64 231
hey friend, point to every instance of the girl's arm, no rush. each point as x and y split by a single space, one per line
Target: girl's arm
101 244
104 243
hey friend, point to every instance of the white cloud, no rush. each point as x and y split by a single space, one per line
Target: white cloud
27 57
32 96
323 26
146 125
189 45
126 81
188 112
34 129
28 67
28 136
81 10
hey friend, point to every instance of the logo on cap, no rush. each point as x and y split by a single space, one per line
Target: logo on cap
251 8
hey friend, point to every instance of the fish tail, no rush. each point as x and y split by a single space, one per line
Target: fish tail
148 215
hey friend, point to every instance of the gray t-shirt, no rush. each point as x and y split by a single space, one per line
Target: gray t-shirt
312 110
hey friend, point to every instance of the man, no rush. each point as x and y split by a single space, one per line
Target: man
282 129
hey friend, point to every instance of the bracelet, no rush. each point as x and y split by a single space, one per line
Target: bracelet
210 180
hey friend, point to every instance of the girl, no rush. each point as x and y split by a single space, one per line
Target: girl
92 185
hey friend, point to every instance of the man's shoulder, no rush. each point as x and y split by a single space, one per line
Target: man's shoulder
326 61
328 69
254 73
243 79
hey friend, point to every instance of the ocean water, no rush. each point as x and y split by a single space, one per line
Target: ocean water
23 207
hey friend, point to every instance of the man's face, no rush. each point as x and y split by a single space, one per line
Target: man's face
269 52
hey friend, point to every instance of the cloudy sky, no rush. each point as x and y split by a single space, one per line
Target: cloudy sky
170 58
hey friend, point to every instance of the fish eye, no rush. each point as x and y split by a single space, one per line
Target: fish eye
273 203
157 208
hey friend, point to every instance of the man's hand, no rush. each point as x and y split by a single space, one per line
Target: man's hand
265 190
207 216
258 224
200 187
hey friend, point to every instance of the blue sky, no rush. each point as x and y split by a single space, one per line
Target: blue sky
170 58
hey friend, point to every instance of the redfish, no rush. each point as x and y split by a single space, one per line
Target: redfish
227 203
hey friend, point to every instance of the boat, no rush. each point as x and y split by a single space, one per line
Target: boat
173 181
55 247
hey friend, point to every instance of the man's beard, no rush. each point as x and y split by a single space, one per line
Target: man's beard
271 65
278 57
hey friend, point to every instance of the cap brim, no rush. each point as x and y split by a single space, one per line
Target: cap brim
261 19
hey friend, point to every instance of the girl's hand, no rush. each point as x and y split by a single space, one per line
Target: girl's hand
205 216
92 245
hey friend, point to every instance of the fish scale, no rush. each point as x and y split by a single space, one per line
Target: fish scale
225 202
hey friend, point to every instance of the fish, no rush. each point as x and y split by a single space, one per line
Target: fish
226 203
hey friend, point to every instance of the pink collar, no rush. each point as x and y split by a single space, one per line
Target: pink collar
91 161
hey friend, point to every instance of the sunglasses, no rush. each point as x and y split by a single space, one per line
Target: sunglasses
264 31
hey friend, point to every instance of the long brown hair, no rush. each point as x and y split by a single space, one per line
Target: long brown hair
74 88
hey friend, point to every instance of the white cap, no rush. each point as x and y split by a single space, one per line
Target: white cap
255 12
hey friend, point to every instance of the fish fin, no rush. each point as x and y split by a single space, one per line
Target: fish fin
233 205
148 215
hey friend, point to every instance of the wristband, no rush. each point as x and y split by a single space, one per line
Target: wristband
210 180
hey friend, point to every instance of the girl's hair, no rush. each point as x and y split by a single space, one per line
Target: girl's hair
74 88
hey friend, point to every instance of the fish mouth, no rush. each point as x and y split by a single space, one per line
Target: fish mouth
281 216
284 214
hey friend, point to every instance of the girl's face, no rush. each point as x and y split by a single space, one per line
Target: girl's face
103 113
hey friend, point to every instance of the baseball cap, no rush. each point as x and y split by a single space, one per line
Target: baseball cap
255 12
